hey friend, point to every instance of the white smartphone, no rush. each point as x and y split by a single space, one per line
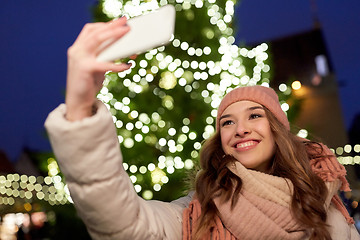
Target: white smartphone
147 31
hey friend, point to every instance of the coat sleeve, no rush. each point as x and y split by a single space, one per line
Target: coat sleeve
89 156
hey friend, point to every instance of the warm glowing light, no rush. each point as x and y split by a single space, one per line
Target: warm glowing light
51 189
147 194
296 85
339 150
285 107
303 133
347 148
282 87
357 148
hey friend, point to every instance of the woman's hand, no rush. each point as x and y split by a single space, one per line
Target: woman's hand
85 75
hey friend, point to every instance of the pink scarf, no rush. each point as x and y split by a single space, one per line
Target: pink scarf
263 208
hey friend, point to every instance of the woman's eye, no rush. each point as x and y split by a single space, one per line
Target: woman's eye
225 123
255 115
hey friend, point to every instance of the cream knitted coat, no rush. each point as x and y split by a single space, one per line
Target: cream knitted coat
89 156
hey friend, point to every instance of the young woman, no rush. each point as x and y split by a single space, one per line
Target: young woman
256 170
258 181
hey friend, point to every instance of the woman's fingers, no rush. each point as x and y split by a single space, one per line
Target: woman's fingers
96 37
87 29
114 67
91 40
109 37
133 57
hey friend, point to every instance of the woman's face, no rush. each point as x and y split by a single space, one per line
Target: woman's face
246 135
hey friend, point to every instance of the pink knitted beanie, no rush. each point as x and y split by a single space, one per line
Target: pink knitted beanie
259 94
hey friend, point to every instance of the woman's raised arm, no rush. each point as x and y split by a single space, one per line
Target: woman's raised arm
87 149
85 75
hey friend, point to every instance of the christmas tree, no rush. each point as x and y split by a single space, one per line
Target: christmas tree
165 106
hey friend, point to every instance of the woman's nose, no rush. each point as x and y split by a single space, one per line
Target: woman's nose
242 130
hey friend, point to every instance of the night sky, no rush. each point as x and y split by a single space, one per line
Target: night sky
261 20
34 37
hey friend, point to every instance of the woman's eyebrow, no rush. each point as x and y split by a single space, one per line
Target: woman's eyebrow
255 107
225 116
249 109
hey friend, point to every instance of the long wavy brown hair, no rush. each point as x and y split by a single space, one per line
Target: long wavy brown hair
291 160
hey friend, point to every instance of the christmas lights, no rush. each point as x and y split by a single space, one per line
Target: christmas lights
352 152
30 188
200 70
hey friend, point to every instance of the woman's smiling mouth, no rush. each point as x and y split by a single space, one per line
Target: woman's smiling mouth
247 145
